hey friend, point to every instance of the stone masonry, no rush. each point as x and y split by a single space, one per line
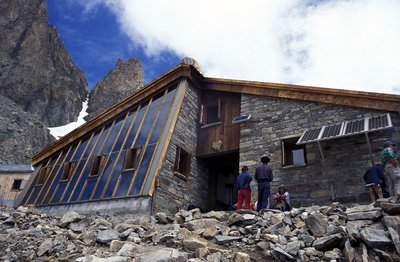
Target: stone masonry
174 191
346 158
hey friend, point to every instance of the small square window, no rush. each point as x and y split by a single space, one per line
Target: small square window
293 155
44 172
211 113
68 170
182 162
17 184
132 158
97 163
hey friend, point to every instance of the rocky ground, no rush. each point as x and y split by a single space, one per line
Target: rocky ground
315 233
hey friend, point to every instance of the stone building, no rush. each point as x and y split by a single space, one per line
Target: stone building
12 180
181 139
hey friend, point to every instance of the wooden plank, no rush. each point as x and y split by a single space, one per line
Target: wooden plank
224 131
165 138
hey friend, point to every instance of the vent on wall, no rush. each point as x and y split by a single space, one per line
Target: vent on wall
346 128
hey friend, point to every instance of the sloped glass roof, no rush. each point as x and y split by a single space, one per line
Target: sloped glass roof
94 166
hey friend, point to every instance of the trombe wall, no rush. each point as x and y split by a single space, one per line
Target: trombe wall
274 119
110 162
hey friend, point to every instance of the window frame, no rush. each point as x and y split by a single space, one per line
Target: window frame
96 165
205 116
44 172
68 168
288 145
131 160
13 188
183 161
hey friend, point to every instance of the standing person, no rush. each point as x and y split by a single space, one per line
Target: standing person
392 170
373 178
263 176
282 199
243 185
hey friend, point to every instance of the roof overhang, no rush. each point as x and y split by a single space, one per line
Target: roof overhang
359 99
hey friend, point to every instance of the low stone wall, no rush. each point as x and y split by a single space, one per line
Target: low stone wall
137 206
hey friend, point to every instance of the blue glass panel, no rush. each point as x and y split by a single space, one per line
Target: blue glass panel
111 138
170 96
90 183
144 165
160 123
148 122
72 182
101 140
53 160
82 179
71 152
81 149
124 130
104 177
59 192
91 144
36 190
114 177
46 186
126 178
134 129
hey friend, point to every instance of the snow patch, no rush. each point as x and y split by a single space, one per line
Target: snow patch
60 131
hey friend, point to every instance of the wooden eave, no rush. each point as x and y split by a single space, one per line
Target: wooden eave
168 79
341 97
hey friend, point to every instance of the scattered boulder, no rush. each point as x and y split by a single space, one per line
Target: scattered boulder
309 234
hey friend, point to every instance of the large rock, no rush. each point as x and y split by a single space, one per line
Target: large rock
376 238
70 217
106 236
37 72
119 83
162 255
317 224
363 212
391 208
328 242
21 134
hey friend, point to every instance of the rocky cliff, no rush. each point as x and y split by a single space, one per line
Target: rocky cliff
36 71
21 134
123 80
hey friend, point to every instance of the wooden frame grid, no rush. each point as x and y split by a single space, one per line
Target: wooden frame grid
165 137
144 148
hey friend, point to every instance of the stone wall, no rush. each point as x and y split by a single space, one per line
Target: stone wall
174 191
346 158
130 205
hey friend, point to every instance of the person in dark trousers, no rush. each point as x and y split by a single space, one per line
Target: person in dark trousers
373 178
243 185
263 176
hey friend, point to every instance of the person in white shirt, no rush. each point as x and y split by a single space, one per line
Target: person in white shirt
282 199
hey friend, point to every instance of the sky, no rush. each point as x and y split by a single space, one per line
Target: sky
345 44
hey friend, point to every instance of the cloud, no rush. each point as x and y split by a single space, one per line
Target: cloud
339 44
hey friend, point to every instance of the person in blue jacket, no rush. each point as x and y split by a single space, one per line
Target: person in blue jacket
373 178
243 185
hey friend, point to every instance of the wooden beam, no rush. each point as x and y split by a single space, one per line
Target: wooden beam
342 97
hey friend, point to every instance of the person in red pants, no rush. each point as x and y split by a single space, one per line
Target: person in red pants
243 185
